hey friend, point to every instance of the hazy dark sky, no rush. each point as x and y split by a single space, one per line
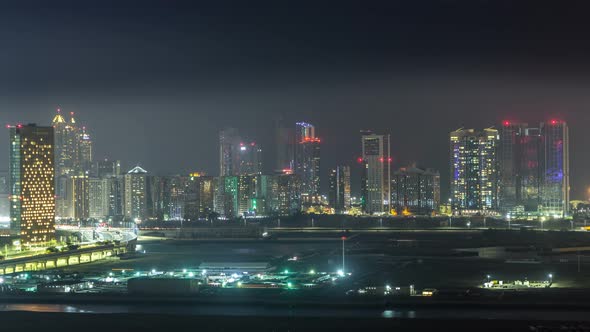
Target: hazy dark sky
155 81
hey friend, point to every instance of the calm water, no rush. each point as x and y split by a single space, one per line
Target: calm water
268 311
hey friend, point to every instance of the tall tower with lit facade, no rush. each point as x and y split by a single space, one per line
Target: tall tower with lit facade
521 164
136 194
31 174
307 161
474 170
73 158
229 143
339 194
415 190
556 185
250 159
534 169
376 174
285 146
85 151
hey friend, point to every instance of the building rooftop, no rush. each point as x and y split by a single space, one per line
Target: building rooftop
137 170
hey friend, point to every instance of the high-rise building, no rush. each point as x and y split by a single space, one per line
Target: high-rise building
66 144
556 184
135 194
520 159
250 159
474 170
198 196
339 194
225 201
534 169
376 174
98 198
415 190
247 193
107 168
229 143
77 196
284 192
307 161
85 151
285 146
4 196
116 201
32 192
73 157
174 197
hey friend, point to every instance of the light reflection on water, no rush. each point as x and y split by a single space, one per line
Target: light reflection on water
270 311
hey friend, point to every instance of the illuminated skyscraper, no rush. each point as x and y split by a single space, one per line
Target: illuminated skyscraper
85 151
77 196
67 144
474 170
135 194
284 192
250 159
32 194
307 161
229 144
116 188
415 190
98 198
534 169
521 164
73 157
339 194
555 197
225 201
107 168
199 196
285 145
376 178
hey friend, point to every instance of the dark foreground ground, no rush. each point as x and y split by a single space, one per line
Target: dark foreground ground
48 322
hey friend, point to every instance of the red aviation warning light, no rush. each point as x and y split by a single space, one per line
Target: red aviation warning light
554 122
359 160
506 123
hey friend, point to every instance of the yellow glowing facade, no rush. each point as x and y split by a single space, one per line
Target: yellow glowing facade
32 193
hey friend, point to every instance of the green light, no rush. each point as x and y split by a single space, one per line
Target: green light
312 272
289 285
286 271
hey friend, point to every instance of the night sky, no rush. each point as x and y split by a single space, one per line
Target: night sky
155 81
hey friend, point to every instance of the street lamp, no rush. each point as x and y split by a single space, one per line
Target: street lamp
550 277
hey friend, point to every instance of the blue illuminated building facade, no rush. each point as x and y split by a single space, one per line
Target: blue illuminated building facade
534 169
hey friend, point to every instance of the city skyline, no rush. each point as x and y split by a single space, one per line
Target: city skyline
212 165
